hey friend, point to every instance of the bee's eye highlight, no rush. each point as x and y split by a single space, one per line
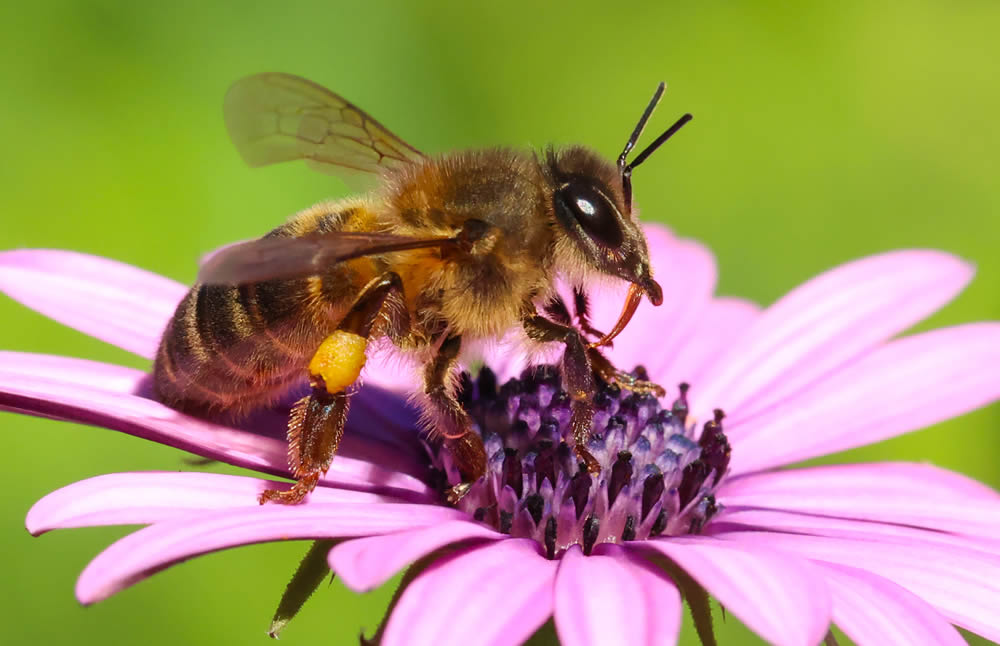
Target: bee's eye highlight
592 211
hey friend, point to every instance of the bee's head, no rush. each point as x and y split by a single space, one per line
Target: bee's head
592 203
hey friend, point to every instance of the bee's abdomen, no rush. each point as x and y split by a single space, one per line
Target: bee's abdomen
234 348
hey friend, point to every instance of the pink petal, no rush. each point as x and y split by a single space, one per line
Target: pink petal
493 595
738 520
906 385
150 550
873 610
922 480
364 564
720 325
607 599
962 584
17 366
598 602
115 398
662 599
825 323
781 598
150 497
919 495
112 301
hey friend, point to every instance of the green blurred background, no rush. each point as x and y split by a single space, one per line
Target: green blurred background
822 133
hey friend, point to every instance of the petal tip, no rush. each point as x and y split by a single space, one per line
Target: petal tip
88 594
34 520
943 263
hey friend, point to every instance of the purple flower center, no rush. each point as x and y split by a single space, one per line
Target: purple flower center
656 477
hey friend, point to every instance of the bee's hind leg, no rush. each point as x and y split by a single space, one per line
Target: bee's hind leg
317 420
315 427
450 420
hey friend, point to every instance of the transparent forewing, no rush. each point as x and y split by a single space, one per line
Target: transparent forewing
280 117
255 261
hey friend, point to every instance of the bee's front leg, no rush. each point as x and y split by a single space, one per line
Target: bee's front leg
449 420
578 380
604 369
317 420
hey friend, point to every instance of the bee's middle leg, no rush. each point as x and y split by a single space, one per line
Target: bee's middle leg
578 379
450 420
316 424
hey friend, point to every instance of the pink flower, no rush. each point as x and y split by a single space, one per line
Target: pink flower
893 553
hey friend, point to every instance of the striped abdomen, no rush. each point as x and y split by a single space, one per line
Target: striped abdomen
235 348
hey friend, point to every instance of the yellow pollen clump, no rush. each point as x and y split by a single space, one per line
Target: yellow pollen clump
339 360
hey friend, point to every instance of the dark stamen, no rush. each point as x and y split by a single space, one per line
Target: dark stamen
652 491
698 522
479 514
511 471
550 538
680 406
621 474
545 465
548 427
511 387
715 449
615 423
659 524
603 400
547 376
591 527
487 383
579 489
628 534
560 400
506 521
692 480
535 505
711 507
465 392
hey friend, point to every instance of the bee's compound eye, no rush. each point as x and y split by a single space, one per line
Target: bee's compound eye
593 211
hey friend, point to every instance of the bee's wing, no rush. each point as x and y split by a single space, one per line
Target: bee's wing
285 258
280 117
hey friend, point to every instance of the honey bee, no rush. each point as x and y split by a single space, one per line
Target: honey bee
446 250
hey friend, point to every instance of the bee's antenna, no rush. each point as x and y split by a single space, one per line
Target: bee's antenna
651 148
626 169
647 113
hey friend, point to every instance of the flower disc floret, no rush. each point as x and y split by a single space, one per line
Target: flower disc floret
658 476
